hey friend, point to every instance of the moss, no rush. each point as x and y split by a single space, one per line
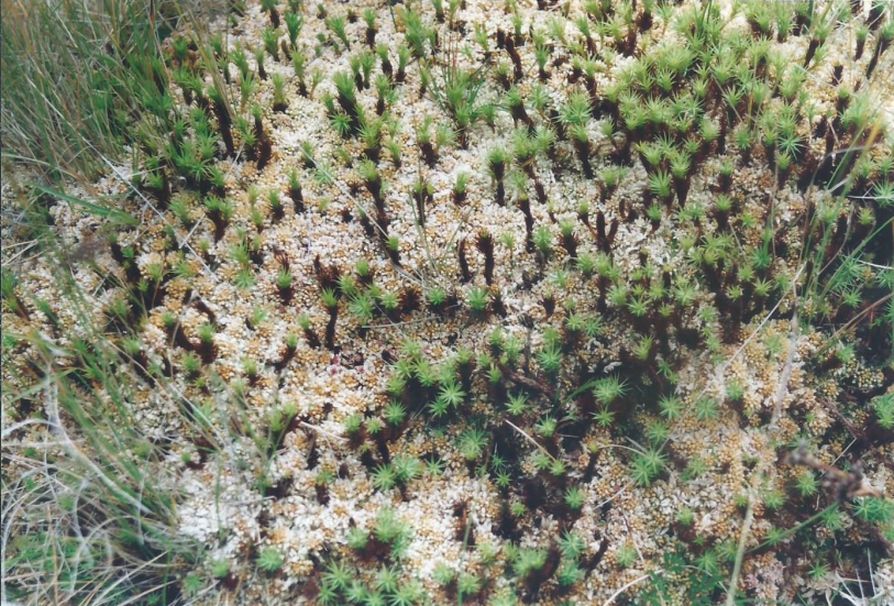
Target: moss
677 201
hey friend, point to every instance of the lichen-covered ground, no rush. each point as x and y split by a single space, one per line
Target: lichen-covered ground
640 353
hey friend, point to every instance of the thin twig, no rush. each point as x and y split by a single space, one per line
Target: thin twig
629 585
781 390
528 438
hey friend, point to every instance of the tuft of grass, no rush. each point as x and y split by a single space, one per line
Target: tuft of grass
457 90
76 77
91 484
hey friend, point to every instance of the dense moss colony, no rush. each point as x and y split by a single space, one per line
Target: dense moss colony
455 302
